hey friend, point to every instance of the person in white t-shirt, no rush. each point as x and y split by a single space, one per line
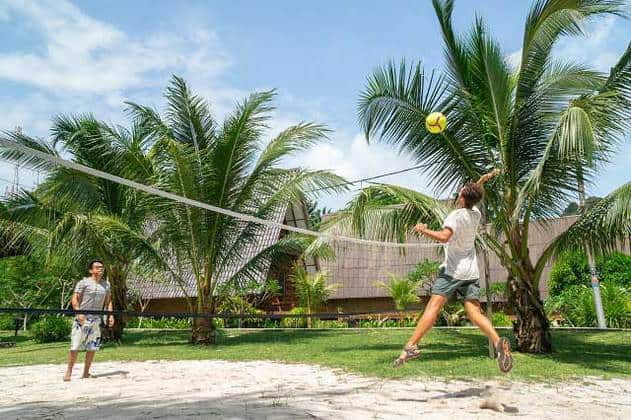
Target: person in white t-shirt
458 274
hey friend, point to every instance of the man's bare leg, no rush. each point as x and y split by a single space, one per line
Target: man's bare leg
89 357
502 345
475 315
427 321
72 358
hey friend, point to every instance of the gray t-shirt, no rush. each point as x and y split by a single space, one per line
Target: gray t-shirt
93 293
461 262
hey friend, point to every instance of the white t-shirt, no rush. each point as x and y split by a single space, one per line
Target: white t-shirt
461 262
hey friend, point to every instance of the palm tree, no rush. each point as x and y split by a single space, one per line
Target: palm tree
228 165
583 138
77 216
312 290
403 291
507 118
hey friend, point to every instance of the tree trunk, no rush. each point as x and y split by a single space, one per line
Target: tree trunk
600 313
203 328
118 283
532 329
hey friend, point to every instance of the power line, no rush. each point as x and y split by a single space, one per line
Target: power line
370 178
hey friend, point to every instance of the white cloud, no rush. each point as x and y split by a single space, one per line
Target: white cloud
596 47
84 55
353 158
514 59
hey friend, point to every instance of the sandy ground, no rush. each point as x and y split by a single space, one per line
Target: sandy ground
258 390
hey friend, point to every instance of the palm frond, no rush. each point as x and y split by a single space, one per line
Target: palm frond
385 213
27 160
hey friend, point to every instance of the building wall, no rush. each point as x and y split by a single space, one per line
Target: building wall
357 267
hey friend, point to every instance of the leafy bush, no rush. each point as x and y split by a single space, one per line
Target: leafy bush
424 272
500 319
50 329
159 323
403 291
571 269
295 322
329 324
576 306
452 315
616 268
7 322
239 305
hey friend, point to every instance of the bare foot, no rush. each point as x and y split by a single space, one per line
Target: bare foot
87 376
67 377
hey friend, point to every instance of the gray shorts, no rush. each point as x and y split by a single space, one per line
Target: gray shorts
447 286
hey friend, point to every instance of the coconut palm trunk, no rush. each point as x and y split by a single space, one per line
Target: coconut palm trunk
598 304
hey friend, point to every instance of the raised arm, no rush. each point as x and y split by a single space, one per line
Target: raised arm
484 178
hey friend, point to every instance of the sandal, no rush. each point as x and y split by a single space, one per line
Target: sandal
504 355
408 353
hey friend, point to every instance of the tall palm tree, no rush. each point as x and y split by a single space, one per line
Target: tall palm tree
584 128
500 117
228 165
79 216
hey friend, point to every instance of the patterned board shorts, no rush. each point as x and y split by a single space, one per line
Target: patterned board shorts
87 336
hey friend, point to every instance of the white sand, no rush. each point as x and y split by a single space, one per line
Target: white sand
253 390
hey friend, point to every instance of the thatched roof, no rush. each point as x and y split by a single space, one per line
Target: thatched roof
168 287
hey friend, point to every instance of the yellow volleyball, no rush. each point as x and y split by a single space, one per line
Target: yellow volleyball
435 122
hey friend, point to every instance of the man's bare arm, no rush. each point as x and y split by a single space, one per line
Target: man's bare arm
441 236
486 177
76 303
110 307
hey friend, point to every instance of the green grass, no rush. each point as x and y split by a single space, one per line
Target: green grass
446 353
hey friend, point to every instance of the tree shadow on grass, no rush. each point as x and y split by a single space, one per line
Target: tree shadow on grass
584 349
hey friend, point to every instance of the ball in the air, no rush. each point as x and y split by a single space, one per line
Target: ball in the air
435 122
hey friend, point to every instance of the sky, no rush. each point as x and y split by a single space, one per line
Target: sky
62 57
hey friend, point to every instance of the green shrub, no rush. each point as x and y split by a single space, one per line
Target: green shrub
295 322
51 329
272 323
616 268
452 315
7 322
500 319
576 306
318 323
159 323
570 269
239 305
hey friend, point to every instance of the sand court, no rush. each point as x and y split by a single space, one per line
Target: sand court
261 389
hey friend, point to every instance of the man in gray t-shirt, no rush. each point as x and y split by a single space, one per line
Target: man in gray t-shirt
458 274
90 294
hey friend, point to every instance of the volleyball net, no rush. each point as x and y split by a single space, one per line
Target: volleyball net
245 260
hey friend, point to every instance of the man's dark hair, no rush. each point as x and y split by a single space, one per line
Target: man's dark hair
472 193
91 264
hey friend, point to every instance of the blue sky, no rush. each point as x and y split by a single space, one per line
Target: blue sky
90 56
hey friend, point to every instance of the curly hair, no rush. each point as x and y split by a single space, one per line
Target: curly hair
472 193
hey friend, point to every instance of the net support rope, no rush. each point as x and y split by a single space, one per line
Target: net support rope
152 190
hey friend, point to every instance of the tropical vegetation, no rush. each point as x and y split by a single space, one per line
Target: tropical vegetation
549 124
